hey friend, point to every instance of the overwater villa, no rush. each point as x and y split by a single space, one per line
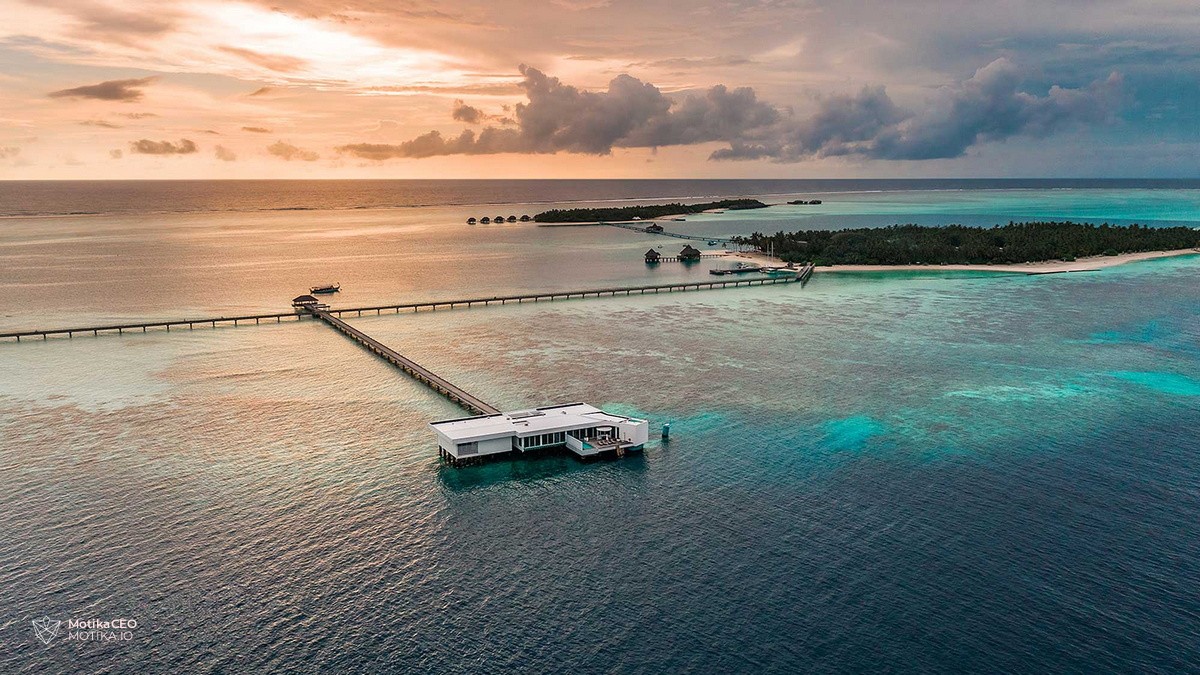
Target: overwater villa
654 227
525 218
307 302
584 430
689 253
471 220
652 256
485 220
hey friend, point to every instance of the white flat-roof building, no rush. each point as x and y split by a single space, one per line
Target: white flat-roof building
585 430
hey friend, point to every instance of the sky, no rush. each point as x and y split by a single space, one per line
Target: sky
130 89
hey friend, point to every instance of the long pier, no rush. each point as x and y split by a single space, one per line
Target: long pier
664 233
439 384
675 258
410 306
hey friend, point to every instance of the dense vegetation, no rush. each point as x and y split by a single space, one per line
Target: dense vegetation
957 244
643 212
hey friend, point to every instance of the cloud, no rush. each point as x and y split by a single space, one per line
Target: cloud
116 154
562 118
138 115
261 91
989 106
224 154
99 20
280 63
257 130
148 147
9 151
100 123
111 90
289 152
466 113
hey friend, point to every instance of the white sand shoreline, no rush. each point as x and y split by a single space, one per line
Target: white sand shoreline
1046 267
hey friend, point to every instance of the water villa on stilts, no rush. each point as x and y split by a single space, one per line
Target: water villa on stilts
584 430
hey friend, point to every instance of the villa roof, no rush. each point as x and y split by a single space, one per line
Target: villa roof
303 299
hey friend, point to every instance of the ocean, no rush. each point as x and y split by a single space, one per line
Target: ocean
896 471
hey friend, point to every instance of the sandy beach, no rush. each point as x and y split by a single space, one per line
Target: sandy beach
1046 267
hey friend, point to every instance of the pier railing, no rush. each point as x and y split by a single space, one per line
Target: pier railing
416 370
664 233
433 305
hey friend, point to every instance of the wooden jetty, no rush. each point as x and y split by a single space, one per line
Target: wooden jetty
435 305
191 324
675 258
664 233
439 384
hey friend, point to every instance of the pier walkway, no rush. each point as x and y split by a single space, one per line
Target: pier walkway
664 233
410 306
439 384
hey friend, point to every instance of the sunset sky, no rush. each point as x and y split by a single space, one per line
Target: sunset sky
598 88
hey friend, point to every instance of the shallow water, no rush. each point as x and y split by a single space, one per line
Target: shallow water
895 471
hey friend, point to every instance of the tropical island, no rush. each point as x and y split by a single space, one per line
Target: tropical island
624 213
963 245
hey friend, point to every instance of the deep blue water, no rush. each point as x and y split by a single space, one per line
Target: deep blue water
900 472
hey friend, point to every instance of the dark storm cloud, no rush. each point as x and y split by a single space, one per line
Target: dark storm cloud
289 152
989 106
148 147
112 90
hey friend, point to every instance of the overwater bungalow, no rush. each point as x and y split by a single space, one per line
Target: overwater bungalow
525 218
308 302
512 219
485 220
498 219
689 253
471 221
652 256
584 430
654 227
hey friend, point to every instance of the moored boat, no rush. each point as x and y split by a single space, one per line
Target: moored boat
327 288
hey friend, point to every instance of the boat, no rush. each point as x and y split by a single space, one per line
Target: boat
327 288
713 242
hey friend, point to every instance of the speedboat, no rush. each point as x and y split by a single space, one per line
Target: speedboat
327 288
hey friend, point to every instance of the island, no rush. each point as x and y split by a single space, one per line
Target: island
963 245
646 212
